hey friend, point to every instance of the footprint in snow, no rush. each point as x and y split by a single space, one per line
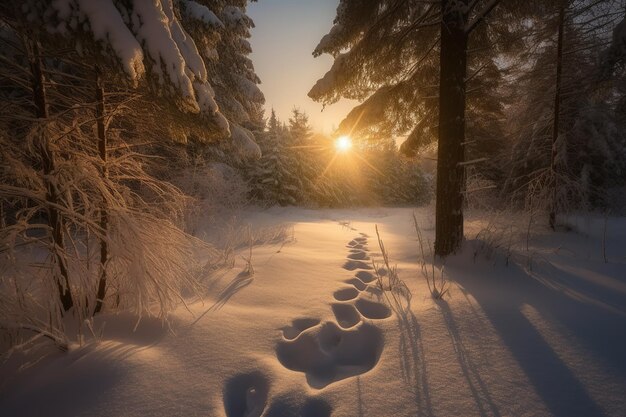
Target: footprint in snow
372 309
285 406
346 294
346 315
298 326
358 284
357 242
316 407
356 247
245 395
351 265
365 276
327 353
359 256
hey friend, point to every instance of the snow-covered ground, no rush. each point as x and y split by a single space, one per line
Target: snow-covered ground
533 329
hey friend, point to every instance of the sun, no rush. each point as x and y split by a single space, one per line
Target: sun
343 143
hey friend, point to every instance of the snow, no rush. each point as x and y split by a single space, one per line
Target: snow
212 54
107 25
249 89
244 45
535 332
205 97
175 56
327 83
187 48
244 142
153 28
327 42
234 17
202 13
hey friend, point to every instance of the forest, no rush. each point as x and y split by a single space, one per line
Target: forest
173 244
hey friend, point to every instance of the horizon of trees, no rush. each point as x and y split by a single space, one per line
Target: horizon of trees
299 167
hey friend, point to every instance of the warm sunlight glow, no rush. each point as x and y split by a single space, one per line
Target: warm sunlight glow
343 143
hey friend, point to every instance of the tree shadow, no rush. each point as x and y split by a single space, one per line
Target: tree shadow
412 361
502 298
73 383
478 387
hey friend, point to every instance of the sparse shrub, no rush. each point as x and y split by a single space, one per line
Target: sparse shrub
395 286
438 287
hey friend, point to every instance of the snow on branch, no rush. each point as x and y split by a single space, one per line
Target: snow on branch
326 84
244 143
370 112
414 140
329 40
249 89
148 31
154 29
201 13
107 25
175 56
235 18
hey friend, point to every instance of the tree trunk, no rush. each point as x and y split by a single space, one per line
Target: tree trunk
450 154
55 219
557 111
104 215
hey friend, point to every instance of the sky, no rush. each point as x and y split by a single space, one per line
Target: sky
283 40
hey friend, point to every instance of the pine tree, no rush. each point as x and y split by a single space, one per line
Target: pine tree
272 177
304 153
391 62
234 77
90 72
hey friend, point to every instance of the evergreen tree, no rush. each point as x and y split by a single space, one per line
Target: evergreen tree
75 75
385 54
273 125
272 177
566 140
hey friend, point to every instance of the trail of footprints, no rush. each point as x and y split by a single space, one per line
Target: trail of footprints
326 352
349 346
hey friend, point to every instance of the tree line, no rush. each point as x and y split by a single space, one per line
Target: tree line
527 97
298 167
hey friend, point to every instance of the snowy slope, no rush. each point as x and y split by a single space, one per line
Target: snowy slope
308 335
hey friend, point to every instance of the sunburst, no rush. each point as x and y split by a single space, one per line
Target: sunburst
343 143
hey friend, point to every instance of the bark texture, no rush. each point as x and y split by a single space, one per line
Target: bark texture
450 156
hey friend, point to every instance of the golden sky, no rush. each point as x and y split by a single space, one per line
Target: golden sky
283 40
